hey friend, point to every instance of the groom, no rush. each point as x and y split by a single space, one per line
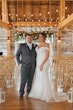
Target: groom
26 58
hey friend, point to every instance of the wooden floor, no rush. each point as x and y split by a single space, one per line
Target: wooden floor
14 103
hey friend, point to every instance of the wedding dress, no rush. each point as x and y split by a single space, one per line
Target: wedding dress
42 87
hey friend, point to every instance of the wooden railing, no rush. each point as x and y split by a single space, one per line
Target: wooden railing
7 67
63 71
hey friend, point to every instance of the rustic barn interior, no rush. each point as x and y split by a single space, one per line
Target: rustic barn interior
53 17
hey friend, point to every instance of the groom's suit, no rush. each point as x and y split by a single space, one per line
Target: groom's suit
27 58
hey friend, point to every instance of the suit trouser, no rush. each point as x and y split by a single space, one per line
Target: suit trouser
27 73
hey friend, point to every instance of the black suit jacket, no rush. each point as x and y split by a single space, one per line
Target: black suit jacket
26 56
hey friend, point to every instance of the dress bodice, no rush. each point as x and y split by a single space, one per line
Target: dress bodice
40 54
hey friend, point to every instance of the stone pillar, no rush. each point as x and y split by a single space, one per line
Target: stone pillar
8 44
5 19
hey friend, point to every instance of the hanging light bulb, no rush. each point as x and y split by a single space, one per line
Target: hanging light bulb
11 17
40 14
9 14
19 19
45 20
57 10
16 15
25 19
32 20
66 8
24 15
48 12
17 11
39 20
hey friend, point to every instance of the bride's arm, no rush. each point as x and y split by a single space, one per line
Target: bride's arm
44 60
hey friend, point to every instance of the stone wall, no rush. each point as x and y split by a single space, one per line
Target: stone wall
3 41
67 42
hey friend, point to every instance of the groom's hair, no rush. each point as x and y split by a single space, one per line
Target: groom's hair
27 34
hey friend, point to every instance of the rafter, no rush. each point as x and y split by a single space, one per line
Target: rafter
68 21
4 25
34 24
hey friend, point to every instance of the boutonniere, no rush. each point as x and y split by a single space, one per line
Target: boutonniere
35 45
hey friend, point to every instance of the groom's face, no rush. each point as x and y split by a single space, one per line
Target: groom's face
29 39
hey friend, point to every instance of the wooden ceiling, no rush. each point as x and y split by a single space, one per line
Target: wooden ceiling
36 10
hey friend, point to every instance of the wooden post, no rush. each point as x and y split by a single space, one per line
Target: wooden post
59 46
4 11
61 18
62 10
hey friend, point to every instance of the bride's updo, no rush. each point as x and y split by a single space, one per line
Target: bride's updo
43 35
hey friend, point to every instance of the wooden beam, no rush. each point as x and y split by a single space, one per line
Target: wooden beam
40 0
4 25
34 24
4 11
68 21
62 10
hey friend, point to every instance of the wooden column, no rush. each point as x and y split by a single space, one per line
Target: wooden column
62 10
59 45
4 11
61 18
5 19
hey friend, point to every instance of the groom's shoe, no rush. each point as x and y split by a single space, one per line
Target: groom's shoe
21 96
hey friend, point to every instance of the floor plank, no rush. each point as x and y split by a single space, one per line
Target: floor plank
14 103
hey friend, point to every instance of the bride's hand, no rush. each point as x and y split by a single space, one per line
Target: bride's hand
41 67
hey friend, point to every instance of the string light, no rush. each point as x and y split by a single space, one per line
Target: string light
17 11
32 20
48 13
57 10
31 8
25 19
39 20
66 8
22 10
40 14
39 10
45 20
31 15
49 10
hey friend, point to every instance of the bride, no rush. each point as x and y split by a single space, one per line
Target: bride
42 87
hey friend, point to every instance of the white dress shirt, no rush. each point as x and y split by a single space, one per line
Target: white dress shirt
29 45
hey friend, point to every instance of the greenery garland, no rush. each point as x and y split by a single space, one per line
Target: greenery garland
20 35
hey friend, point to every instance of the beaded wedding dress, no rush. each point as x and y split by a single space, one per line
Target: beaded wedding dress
42 87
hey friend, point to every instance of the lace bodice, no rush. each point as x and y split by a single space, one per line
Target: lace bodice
40 54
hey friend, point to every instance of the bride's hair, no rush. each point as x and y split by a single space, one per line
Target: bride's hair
43 35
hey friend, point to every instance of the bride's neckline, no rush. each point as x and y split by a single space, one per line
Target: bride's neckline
41 47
